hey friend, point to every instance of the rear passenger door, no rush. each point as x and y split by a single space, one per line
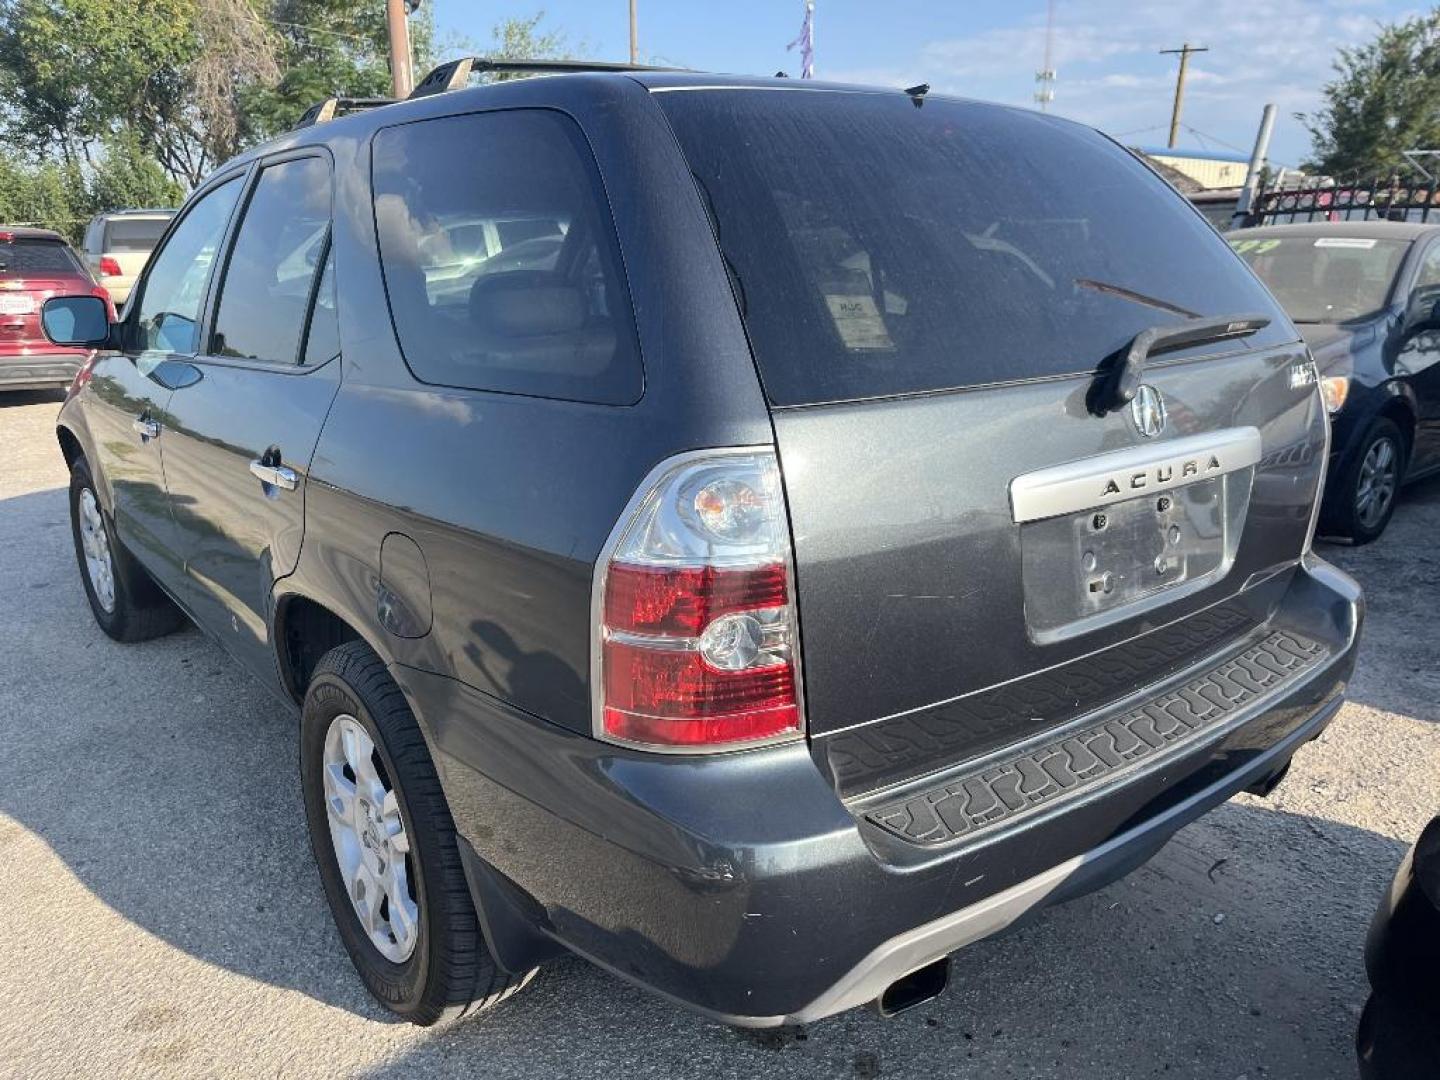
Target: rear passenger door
243 433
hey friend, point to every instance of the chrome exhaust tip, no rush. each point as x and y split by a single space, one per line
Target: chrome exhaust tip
921 985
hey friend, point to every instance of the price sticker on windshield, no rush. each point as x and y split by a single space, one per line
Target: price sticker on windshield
1345 242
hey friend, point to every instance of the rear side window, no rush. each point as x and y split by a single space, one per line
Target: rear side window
881 248
21 257
500 258
133 234
275 263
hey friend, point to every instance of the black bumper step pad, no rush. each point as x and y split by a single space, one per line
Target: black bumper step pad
1008 789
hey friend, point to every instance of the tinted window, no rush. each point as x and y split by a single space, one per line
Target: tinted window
174 289
271 272
881 248
1323 279
500 258
134 234
322 340
20 257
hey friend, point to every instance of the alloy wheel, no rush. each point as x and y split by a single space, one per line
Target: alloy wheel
95 543
372 846
1378 481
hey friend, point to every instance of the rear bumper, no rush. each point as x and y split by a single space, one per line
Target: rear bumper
743 887
39 372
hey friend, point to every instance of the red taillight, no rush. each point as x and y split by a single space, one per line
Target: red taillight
696 632
109 267
683 601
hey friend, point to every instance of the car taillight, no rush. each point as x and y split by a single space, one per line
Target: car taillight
696 644
109 267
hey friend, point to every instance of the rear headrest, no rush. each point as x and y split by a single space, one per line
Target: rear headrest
526 303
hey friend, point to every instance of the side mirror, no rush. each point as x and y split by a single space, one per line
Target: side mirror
78 321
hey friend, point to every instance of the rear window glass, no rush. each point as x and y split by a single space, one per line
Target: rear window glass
133 234
500 258
879 248
1324 279
19 257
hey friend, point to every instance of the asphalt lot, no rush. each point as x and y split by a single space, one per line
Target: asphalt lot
161 914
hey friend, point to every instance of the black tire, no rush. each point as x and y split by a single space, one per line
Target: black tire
450 972
140 610
1342 514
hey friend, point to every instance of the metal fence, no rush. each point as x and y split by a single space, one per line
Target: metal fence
1377 198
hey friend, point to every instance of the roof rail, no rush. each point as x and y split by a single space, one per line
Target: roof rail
338 106
454 74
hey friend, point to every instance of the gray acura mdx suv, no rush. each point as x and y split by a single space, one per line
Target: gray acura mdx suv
760 536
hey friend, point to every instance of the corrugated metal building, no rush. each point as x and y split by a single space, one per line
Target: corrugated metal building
1208 168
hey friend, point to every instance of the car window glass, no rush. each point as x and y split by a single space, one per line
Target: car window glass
1429 275
501 264
1323 278
174 289
23 255
881 248
322 340
134 234
269 276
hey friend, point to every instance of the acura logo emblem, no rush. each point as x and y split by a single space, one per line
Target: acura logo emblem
1147 411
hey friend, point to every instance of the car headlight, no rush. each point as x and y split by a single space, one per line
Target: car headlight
1334 389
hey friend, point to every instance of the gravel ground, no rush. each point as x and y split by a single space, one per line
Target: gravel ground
162 915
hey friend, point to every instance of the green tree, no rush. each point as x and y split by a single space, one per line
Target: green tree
74 72
1384 100
127 177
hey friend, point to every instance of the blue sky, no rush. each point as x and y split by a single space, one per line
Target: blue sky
1106 51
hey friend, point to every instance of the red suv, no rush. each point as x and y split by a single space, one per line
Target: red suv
36 264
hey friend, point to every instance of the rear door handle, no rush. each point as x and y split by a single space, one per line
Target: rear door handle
280 476
145 427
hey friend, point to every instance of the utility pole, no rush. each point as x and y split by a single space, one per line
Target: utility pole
1257 163
401 80
1184 53
634 36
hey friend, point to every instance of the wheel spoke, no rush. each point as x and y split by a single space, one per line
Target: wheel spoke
394 824
339 795
366 894
403 914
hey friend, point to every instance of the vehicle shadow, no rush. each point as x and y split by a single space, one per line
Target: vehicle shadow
166 782
10 399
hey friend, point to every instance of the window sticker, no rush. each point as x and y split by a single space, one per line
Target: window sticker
1254 247
859 322
1345 242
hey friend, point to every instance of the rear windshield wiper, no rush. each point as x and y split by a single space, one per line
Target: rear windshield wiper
1138 297
1117 386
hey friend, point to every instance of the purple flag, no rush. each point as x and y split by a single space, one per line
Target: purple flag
806 41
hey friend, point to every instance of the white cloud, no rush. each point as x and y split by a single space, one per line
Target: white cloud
1112 76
